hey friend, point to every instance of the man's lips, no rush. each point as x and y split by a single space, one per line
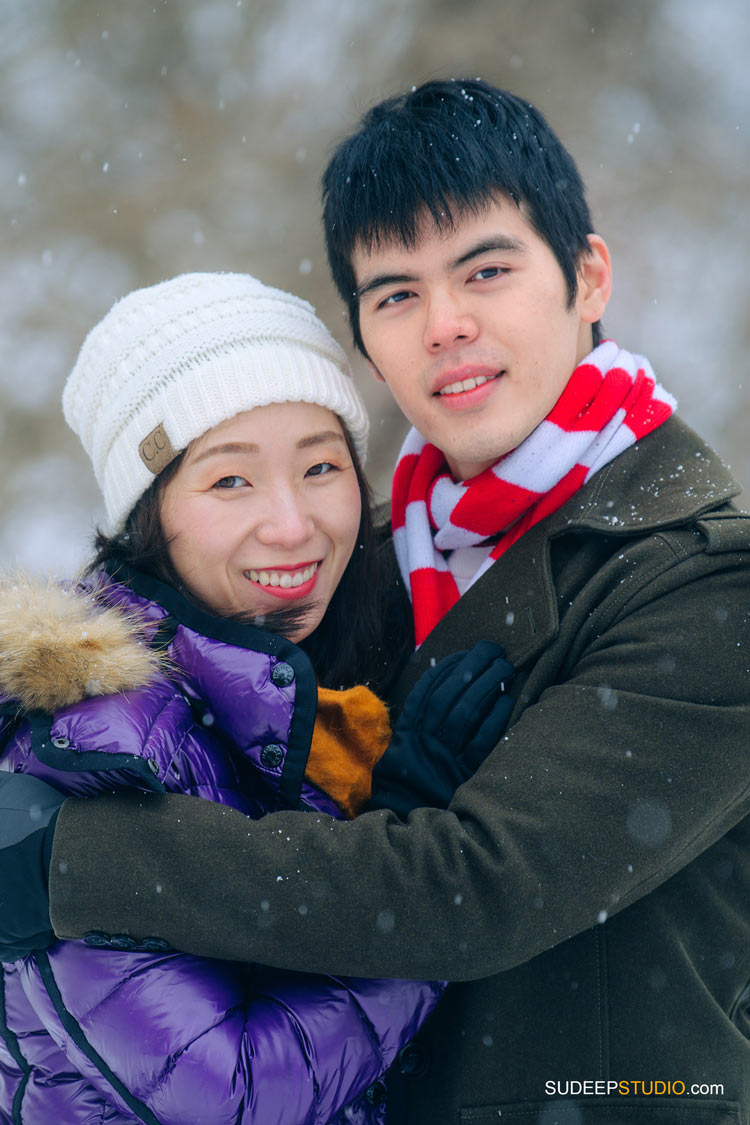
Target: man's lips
285 581
460 380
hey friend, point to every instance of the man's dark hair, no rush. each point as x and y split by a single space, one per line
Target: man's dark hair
346 647
445 148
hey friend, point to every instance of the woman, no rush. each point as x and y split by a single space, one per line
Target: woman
226 434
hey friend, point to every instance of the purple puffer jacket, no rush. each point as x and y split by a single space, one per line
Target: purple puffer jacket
146 1033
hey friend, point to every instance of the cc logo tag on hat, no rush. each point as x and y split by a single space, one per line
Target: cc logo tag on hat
156 450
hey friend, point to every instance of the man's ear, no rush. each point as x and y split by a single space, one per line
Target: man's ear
375 371
594 280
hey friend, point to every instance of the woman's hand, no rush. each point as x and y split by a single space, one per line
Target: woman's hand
452 718
28 811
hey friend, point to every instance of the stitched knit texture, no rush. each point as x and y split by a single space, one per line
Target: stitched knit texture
187 354
611 400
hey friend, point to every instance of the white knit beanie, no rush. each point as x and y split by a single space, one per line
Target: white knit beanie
170 362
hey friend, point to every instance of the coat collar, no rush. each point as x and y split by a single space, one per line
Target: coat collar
218 660
668 479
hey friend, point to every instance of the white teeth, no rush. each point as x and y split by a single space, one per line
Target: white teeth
282 578
465 385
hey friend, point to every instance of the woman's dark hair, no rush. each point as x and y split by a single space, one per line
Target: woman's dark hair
445 148
343 649
142 543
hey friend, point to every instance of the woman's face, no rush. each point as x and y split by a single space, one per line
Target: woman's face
264 511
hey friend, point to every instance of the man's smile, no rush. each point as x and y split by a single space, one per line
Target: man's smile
465 378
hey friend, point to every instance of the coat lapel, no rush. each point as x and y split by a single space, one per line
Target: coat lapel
512 604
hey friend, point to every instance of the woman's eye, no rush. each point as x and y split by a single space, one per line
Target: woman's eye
321 469
230 482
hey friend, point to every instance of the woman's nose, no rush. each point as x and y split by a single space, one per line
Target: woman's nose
286 522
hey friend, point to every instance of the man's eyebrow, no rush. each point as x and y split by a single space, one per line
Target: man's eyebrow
500 242
378 280
505 243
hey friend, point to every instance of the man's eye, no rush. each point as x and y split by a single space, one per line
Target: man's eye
321 469
487 273
230 482
395 298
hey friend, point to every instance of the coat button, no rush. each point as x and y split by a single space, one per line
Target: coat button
376 1094
153 765
414 1060
123 942
155 945
282 674
96 939
61 743
271 755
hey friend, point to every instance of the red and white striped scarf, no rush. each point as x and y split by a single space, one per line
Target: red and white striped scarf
611 401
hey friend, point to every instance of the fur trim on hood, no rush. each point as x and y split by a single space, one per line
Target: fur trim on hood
58 646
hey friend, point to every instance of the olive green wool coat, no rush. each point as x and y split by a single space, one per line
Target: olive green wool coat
588 890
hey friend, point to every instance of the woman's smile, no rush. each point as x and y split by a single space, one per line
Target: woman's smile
288 582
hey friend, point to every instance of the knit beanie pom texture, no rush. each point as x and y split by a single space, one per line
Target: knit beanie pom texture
170 362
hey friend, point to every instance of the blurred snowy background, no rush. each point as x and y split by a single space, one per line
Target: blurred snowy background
140 139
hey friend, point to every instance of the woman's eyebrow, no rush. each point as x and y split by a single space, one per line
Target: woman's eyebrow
226 447
250 447
319 439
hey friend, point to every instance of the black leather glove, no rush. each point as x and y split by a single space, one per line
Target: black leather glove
28 811
452 718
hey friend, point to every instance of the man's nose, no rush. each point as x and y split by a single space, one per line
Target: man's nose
448 322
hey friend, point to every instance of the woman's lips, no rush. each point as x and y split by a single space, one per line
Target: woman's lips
285 582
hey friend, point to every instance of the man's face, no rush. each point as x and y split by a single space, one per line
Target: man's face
471 329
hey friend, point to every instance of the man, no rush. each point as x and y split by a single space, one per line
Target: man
588 888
